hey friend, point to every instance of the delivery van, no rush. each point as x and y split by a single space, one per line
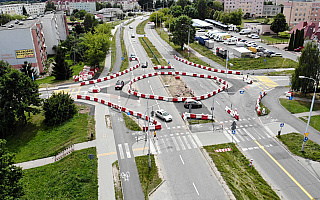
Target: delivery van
245 31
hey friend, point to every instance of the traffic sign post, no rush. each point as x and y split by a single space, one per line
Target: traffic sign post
241 91
233 128
279 132
128 113
305 139
91 156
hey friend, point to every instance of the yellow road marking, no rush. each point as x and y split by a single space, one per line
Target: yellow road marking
78 90
284 170
112 153
267 81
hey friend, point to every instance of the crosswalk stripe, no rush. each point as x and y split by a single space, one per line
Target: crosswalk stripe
241 135
249 134
126 146
192 142
164 144
186 141
175 143
181 143
168 145
158 147
259 134
120 151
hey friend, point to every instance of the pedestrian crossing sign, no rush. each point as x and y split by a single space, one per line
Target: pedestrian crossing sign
306 134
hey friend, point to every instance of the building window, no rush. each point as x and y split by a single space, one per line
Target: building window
295 14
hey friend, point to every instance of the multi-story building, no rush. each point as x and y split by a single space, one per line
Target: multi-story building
299 11
271 10
254 7
33 9
23 42
89 7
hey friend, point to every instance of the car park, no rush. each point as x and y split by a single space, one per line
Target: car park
119 85
193 103
144 64
162 114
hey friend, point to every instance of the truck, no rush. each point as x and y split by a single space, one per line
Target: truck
222 37
202 40
209 44
245 31
253 49
241 52
221 52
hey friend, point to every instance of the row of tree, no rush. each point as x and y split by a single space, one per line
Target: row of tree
233 17
296 40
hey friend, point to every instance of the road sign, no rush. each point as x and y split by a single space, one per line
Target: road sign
241 91
128 113
264 60
290 83
306 134
290 98
305 139
233 131
121 58
91 156
212 108
282 125
169 63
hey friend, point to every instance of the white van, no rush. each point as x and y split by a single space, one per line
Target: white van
222 37
230 41
240 44
245 31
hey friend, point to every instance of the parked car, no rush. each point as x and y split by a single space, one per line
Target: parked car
162 114
243 40
193 103
276 55
254 45
132 35
119 85
202 30
260 48
250 35
255 36
132 56
299 49
130 27
144 64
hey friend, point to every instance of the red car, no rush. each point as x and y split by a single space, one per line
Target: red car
119 85
298 49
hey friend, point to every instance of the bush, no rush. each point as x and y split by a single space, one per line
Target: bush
58 108
284 34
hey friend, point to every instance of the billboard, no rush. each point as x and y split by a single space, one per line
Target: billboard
25 53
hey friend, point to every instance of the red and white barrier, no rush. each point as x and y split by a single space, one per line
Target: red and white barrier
247 80
177 99
186 116
111 76
156 124
222 150
132 59
208 68
258 108
87 73
95 89
233 113
163 67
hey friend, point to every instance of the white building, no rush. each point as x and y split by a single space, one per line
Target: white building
89 7
17 9
254 7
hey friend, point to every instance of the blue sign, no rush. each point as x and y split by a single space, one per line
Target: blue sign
128 113
290 98
182 48
227 59
290 83
233 131
241 91
121 58
282 125
169 63
264 60
305 139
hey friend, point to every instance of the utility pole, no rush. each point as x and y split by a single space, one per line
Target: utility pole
188 40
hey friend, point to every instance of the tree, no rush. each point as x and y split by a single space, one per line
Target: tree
58 108
224 18
279 24
235 17
24 11
108 5
156 16
89 22
202 8
266 21
176 10
181 31
301 40
61 69
291 42
309 64
28 70
97 48
189 11
50 6
78 29
216 15
215 5
296 39
99 6
183 3
10 175
18 94
5 18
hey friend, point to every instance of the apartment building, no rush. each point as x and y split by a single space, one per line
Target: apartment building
254 7
89 7
271 10
299 11
23 42
33 9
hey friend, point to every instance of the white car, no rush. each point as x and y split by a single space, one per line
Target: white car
162 114
276 55
255 36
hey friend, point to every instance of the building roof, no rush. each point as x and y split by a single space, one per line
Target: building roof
310 29
200 23
24 24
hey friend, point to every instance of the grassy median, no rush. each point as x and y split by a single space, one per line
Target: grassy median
130 123
244 181
161 60
70 178
140 27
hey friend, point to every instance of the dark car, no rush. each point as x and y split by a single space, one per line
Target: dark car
193 103
119 85
144 64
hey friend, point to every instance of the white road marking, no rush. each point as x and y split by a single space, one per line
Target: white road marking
120 151
195 188
175 143
181 159
169 143
218 103
126 146
186 141
249 134
195 137
158 147
192 142
182 145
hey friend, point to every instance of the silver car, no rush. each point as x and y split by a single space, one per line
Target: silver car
162 114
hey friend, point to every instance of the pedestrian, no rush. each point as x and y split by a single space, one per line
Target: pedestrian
155 134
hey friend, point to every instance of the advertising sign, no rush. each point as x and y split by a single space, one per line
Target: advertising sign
25 53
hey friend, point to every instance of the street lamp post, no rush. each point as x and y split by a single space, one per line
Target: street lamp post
314 94
188 40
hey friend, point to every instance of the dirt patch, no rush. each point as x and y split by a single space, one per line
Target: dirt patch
108 121
178 88
117 181
83 108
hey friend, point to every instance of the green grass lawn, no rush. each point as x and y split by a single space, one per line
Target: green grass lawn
245 182
273 39
294 143
145 43
125 61
70 178
314 121
149 178
130 123
36 140
200 121
113 51
281 73
298 106
140 27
